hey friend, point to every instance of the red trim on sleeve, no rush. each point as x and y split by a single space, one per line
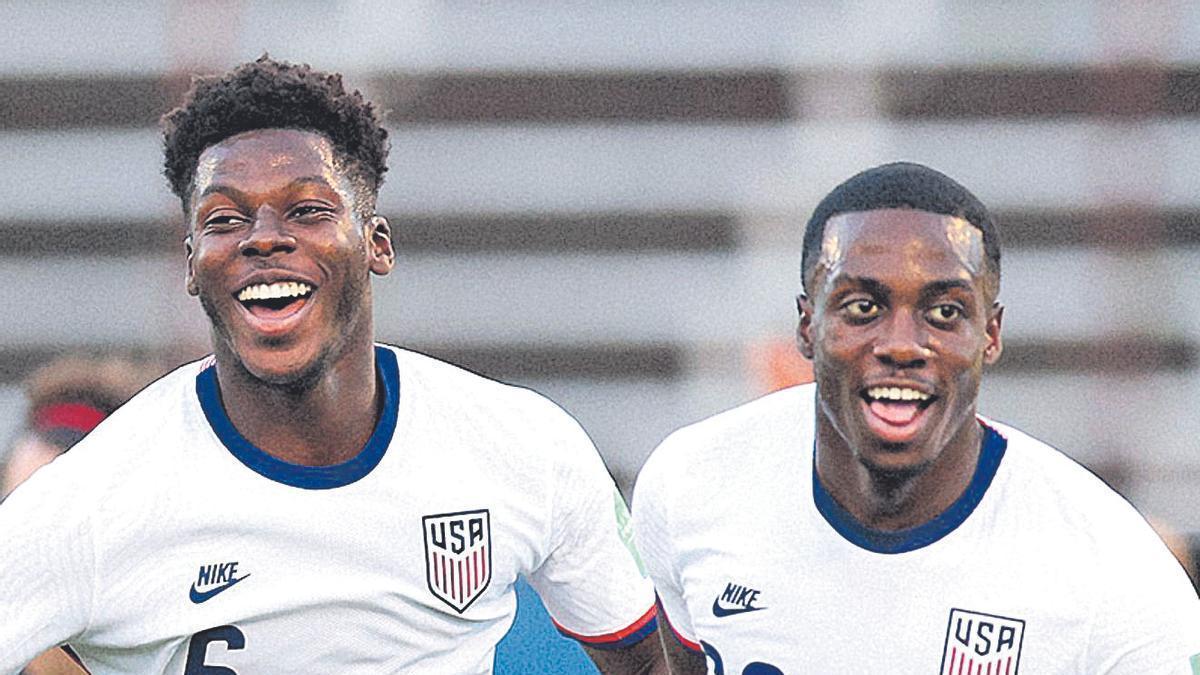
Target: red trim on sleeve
679 636
616 636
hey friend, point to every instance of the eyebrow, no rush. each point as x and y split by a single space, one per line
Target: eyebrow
873 286
937 288
932 289
238 196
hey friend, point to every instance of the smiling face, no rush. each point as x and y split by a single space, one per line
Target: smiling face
278 257
899 324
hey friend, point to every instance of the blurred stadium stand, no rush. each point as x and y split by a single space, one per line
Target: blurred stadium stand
603 200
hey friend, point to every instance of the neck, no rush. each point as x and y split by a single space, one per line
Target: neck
321 422
890 500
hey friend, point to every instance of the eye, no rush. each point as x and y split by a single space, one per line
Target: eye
222 221
861 310
310 211
944 313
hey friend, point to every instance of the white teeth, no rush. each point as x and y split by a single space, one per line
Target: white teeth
896 394
279 289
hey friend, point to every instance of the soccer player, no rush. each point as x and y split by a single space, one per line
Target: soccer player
873 522
306 500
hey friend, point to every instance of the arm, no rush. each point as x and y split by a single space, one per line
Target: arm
642 658
683 661
45 568
54 662
652 535
1148 617
592 582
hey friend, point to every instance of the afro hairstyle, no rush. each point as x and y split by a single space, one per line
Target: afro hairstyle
269 94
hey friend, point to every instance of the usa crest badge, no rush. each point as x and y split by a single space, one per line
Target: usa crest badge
458 556
982 644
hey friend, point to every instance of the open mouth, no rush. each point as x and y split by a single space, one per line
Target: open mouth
895 412
277 300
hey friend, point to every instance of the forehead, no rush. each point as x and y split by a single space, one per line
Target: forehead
263 159
905 244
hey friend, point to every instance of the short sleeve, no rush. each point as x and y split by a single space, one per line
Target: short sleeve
1148 618
592 582
651 503
46 568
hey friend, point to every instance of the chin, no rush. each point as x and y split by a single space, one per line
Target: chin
292 369
893 460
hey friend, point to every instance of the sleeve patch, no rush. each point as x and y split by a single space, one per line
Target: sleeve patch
625 529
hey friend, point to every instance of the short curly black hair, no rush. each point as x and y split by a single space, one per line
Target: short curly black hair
269 94
902 185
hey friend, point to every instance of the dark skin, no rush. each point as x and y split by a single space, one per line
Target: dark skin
276 206
680 659
900 300
643 658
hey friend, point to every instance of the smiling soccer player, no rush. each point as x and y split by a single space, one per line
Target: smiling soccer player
873 521
307 500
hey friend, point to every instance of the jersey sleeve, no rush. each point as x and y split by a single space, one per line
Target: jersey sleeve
592 581
652 534
1148 618
46 568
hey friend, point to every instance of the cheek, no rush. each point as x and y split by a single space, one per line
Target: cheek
204 263
207 263
837 343
965 350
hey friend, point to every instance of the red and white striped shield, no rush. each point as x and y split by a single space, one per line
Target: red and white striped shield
458 556
982 644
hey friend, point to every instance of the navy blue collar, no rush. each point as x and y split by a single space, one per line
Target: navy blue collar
297 475
902 541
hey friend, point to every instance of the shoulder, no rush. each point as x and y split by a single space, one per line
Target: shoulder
436 378
161 408
116 453
748 436
1076 508
481 403
1048 476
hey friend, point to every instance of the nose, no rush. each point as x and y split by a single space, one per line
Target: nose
904 342
267 235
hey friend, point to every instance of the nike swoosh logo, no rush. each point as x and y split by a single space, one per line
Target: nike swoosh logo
199 597
719 611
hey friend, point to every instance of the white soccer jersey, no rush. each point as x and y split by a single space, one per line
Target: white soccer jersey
1039 568
166 543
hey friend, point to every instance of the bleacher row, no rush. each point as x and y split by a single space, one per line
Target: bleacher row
604 200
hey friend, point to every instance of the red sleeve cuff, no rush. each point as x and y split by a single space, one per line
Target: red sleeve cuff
630 635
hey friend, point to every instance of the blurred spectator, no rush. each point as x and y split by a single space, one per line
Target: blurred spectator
67 398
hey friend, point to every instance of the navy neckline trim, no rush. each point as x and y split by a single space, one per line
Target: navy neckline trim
298 475
902 541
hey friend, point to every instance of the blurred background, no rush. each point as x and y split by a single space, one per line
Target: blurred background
604 200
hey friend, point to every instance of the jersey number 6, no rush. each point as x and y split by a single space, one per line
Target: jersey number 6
198 649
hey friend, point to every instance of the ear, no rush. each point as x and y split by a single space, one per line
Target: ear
991 352
381 253
190 278
804 339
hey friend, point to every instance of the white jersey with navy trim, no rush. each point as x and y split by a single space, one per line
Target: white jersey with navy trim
166 543
1039 568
